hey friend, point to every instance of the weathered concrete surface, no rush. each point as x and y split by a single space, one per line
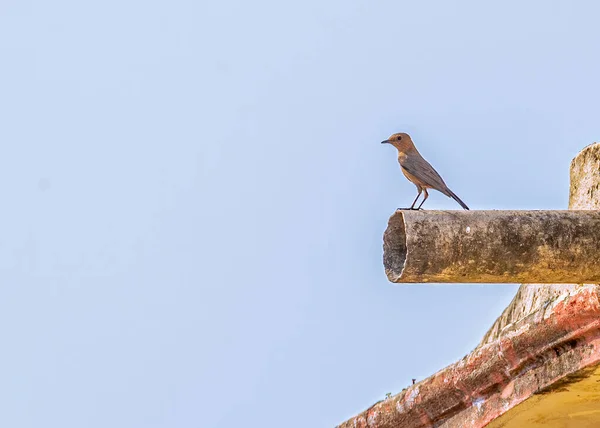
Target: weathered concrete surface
547 333
585 179
584 195
574 401
538 351
493 246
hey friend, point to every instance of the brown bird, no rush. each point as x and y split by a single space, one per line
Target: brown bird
418 170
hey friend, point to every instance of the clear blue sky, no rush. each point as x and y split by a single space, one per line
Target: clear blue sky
194 196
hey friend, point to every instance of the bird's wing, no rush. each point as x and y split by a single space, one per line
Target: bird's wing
424 172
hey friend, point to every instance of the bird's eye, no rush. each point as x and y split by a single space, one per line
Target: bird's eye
399 137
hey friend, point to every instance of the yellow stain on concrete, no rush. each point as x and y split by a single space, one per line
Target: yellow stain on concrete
571 402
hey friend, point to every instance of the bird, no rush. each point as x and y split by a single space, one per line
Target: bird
418 171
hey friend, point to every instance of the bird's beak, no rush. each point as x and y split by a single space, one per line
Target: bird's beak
385 142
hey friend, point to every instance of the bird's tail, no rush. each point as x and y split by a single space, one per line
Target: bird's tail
457 199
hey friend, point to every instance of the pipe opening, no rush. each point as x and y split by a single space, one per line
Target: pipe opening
394 247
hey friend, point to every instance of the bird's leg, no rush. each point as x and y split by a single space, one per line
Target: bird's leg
424 198
412 207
